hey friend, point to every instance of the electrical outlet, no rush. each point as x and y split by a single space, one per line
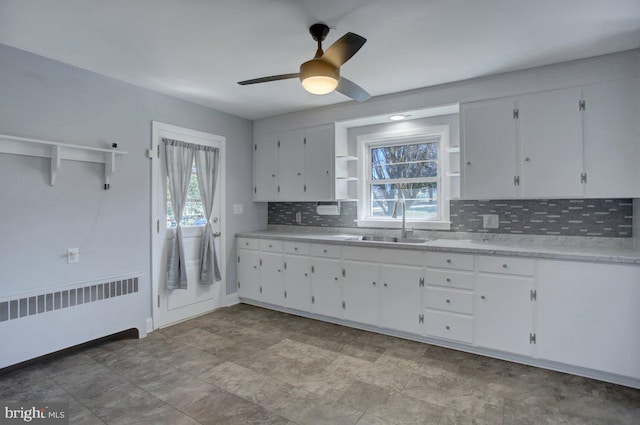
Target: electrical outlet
298 217
73 255
490 221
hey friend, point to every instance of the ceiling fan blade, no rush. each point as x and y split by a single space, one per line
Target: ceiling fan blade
267 79
351 89
343 49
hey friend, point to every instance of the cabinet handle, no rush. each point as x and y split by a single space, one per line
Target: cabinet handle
448 280
327 172
448 301
298 173
447 327
527 159
324 250
295 248
335 278
482 297
270 246
504 266
468 162
273 175
385 285
374 284
305 275
278 270
448 261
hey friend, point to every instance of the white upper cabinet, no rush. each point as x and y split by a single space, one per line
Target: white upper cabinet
566 143
290 160
265 168
319 164
489 154
551 140
296 165
612 139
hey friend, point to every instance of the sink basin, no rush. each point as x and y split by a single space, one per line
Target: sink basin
393 239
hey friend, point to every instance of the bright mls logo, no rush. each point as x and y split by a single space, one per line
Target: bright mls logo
34 413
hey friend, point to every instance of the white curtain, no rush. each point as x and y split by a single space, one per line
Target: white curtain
179 160
207 159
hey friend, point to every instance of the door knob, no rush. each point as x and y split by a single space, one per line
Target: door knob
216 234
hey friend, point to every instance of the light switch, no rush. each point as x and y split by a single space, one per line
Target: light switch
73 255
238 208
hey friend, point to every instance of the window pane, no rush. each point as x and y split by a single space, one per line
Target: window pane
193 214
409 170
421 199
404 153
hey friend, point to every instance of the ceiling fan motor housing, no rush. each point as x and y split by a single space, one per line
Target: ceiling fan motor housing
319 76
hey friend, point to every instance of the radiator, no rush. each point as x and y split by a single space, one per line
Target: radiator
44 321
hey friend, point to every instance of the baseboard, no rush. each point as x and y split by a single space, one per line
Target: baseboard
232 299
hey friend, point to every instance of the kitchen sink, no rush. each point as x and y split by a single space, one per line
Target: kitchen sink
393 239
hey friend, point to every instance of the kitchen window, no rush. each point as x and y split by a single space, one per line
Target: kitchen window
409 166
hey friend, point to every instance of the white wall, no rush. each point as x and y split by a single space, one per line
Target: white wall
45 99
568 74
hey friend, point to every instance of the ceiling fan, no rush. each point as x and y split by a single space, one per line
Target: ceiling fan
321 75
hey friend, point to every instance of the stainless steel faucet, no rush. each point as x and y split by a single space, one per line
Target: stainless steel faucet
394 214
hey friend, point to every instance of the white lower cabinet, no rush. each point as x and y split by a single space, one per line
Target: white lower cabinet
579 314
248 279
504 313
326 298
360 291
297 282
271 266
400 297
588 315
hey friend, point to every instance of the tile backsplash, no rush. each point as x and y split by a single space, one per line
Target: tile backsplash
565 217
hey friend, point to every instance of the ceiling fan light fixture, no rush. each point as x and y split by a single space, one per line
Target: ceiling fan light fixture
319 77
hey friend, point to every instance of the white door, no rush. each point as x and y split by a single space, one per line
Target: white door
360 291
326 296
318 160
489 141
504 313
271 266
297 282
290 180
401 298
551 136
171 306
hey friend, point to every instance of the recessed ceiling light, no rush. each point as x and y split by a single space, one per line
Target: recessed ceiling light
398 117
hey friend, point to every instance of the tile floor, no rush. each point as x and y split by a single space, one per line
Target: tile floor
248 365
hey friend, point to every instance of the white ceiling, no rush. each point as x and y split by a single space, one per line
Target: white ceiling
198 49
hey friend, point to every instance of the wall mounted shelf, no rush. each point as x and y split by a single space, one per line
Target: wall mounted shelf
57 152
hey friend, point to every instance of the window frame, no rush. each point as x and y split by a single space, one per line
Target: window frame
410 136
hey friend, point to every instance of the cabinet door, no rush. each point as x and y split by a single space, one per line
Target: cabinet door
551 140
290 157
271 278
265 168
325 287
588 315
297 282
400 298
319 164
248 274
504 313
360 291
611 126
489 149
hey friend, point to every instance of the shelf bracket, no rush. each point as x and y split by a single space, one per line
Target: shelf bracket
55 164
109 169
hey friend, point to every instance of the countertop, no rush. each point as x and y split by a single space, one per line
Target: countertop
469 246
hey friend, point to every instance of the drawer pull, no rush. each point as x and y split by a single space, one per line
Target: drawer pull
504 266
246 243
374 284
448 301
448 261
482 297
295 248
270 246
305 275
448 280
447 327
335 278
324 250
385 285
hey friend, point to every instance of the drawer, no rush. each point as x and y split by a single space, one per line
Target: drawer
299 248
453 300
450 279
330 251
450 261
247 243
271 245
506 265
449 326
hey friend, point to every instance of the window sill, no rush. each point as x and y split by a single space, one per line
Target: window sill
395 224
